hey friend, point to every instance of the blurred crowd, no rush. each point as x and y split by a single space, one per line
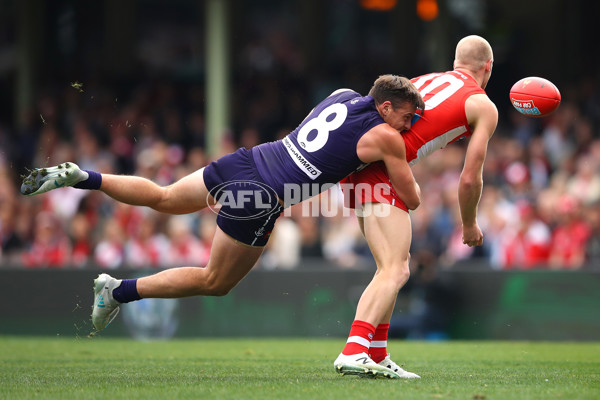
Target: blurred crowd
540 206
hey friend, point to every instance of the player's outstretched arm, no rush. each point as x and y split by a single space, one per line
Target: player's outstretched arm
483 117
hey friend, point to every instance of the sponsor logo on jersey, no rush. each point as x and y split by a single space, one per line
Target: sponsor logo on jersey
310 170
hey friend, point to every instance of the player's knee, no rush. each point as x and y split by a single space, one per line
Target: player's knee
219 291
160 201
216 286
401 274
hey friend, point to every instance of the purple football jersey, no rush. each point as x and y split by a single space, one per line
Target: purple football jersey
322 149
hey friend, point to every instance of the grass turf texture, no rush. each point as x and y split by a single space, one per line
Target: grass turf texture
103 368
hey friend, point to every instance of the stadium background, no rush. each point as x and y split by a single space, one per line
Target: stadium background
160 88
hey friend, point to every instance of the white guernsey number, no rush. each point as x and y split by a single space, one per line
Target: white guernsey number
453 85
322 124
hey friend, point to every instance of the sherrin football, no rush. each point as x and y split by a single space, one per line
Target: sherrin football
535 97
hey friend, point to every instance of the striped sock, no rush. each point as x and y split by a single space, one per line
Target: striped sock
359 340
378 349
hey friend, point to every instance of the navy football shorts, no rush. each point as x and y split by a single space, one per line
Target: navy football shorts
249 208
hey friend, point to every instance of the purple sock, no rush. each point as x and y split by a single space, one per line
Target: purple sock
93 182
127 291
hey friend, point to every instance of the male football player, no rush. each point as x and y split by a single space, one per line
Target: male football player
339 135
456 106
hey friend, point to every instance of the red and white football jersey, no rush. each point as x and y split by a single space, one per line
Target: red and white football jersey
442 122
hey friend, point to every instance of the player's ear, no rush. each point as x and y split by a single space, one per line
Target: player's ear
386 107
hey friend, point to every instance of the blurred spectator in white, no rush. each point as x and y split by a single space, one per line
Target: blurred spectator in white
185 248
497 215
283 249
585 183
65 203
341 231
109 252
455 248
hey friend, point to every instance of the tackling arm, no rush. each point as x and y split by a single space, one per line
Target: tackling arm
384 143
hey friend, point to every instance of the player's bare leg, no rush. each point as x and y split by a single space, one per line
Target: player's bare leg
388 233
185 196
389 239
229 262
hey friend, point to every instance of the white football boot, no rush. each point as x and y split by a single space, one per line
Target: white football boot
388 363
42 180
106 307
361 364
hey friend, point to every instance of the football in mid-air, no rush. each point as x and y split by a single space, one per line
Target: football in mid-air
535 97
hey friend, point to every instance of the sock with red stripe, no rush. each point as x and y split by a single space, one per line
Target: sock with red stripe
378 349
359 339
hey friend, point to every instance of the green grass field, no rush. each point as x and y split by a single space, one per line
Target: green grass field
102 368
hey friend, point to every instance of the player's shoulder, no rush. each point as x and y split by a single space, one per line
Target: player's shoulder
342 96
343 90
480 102
479 108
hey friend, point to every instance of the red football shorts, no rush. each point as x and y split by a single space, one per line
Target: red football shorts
370 185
